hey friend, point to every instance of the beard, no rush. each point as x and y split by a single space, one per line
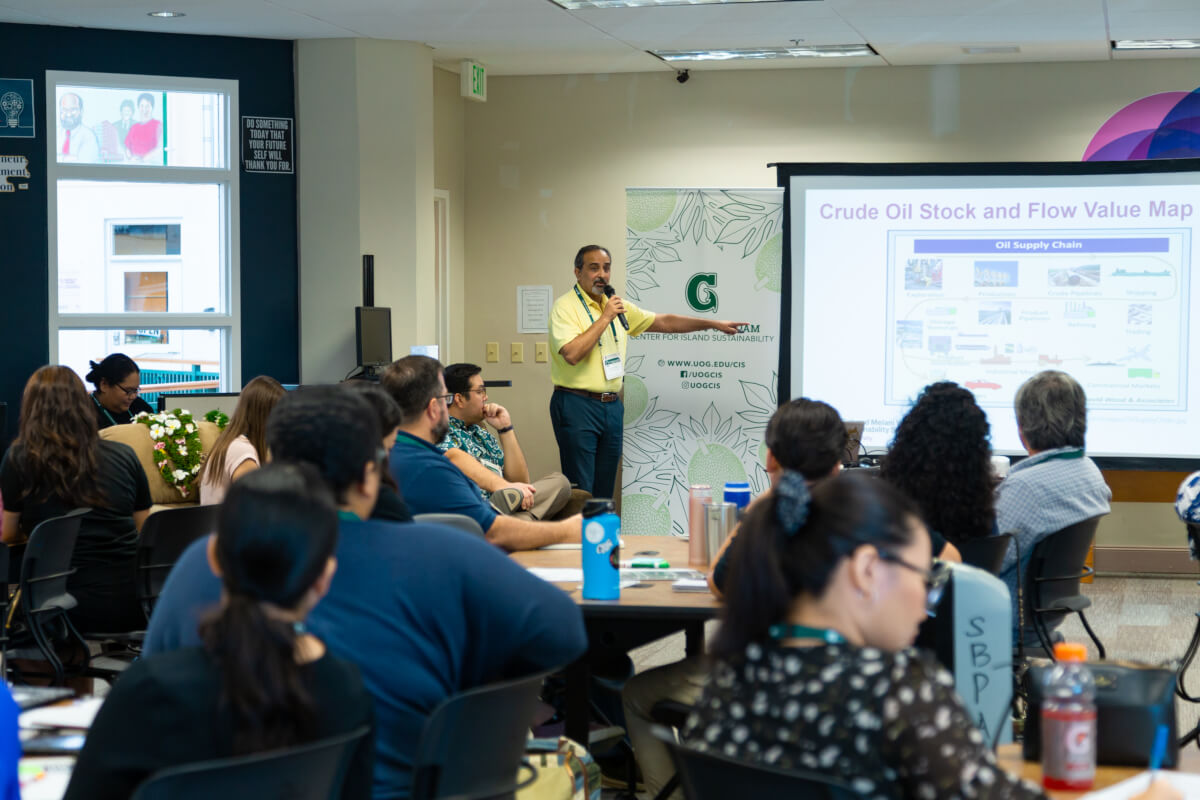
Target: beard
440 430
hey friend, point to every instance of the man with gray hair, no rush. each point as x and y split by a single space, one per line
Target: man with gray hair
1057 485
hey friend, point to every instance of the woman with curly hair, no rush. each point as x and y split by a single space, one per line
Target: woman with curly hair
941 458
59 463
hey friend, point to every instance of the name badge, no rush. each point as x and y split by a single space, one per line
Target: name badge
493 466
613 368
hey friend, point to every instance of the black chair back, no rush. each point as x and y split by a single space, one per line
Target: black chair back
986 552
314 771
460 521
491 723
165 535
1055 568
710 776
47 563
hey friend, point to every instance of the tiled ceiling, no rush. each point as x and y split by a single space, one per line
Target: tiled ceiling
536 37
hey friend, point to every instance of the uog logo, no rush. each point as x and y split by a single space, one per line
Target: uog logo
700 294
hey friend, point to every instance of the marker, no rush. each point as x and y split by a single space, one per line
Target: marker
645 563
1159 751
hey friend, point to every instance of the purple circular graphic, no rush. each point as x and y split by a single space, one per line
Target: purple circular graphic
1165 125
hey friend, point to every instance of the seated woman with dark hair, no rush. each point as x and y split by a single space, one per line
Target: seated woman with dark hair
260 682
59 463
941 457
117 380
812 668
390 505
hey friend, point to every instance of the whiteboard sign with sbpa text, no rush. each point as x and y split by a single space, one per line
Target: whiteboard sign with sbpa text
267 145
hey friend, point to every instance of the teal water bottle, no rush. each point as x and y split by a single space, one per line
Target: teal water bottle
601 546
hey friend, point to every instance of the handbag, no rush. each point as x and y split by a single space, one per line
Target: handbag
1132 700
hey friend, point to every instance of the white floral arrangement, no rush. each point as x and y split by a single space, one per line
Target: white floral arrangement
177 447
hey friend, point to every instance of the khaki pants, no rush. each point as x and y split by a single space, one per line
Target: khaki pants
682 682
551 493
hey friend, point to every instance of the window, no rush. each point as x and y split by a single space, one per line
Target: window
143 191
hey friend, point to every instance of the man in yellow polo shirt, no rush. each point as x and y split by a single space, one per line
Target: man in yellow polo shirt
588 338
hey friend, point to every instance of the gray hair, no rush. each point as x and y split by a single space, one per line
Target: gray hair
1051 411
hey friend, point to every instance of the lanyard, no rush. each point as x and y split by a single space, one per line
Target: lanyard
827 635
591 319
111 421
1068 456
348 516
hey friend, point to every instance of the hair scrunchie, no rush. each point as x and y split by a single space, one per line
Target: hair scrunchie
791 504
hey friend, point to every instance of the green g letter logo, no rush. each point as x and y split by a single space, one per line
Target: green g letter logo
700 294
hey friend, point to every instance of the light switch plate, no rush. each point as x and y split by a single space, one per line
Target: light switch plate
493 352
517 352
541 352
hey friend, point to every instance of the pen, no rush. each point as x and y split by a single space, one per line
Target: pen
1160 750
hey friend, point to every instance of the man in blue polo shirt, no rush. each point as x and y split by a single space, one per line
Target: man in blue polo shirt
430 482
423 610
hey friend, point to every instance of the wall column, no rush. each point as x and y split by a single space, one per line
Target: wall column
365 154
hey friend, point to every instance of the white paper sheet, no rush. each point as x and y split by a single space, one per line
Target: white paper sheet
1187 783
77 714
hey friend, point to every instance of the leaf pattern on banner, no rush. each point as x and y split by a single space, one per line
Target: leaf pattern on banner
648 438
644 254
699 216
763 400
751 222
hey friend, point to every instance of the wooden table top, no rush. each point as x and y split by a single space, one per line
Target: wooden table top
1009 757
652 598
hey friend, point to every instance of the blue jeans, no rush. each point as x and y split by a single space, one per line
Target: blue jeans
589 435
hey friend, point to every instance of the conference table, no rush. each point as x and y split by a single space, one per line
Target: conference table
645 612
1009 757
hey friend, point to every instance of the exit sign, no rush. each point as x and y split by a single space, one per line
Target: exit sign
473 81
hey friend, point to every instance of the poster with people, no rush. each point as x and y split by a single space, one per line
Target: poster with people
107 126
697 404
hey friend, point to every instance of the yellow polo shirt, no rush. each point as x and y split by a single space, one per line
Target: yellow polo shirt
568 319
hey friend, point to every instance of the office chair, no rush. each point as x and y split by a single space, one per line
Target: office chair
473 744
709 776
314 771
1052 581
460 521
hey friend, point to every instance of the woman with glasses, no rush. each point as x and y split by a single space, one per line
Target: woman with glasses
242 445
59 463
259 681
813 667
117 380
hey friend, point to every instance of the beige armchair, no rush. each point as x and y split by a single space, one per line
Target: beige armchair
137 436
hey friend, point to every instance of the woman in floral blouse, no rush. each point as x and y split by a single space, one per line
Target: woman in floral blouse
813 669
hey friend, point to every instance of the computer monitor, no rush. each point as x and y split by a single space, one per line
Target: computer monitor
373 335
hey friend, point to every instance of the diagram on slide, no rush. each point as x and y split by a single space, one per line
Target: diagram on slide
987 309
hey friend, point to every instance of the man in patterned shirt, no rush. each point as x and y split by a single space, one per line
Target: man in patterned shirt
495 462
1057 485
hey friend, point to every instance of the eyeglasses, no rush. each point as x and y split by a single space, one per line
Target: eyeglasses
445 398
935 578
129 392
481 391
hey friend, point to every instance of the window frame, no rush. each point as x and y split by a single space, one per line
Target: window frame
228 180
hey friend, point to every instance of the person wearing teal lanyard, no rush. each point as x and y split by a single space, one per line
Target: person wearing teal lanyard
589 329
117 380
813 667
1057 485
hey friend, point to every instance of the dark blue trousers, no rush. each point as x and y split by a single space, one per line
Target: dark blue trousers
589 435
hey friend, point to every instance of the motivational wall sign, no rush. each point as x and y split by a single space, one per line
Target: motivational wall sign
267 145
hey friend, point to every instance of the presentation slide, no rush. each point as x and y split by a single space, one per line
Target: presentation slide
902 280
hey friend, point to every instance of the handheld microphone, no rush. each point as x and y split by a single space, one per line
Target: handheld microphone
608 292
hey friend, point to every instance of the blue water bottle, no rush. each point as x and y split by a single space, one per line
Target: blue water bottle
739 495
601 550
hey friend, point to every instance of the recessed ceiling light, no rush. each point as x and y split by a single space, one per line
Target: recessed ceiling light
810 51
166 14
987 50
576 5
1156 44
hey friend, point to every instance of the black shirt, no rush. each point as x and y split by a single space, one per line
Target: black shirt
107 533
106 418
390 506
166 711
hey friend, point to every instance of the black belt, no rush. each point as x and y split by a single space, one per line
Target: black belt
603 397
